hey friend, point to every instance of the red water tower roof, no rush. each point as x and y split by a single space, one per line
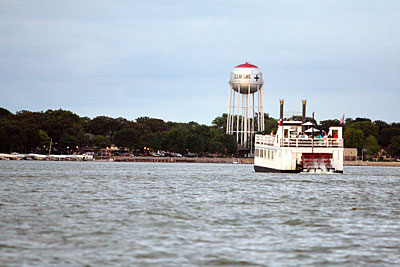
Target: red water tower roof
246 65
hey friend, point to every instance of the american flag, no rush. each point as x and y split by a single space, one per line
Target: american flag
342 120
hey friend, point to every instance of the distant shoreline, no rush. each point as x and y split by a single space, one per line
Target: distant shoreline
206 160
236 160
179 160
372 163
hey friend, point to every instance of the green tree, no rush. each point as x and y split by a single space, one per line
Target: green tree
354 138
195 143
85 122
270 124
150 125
358 119
350 121
371 146
216 146
229 143
394 147
127 138
31 139
387 134
4 112
105 126
300 118
68 143
367 127
381 125
220 122
174 140
64 127
44 138
11 137
326 124
101 141
27 119
151 140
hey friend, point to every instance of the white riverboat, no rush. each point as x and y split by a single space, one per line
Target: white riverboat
291 151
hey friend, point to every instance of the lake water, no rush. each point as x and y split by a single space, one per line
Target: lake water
174 214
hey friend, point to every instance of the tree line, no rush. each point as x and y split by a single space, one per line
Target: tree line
369 137
27 131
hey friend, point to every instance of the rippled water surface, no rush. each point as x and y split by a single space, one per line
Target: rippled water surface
94 213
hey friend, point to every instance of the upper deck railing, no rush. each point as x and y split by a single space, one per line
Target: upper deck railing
299 142
265 139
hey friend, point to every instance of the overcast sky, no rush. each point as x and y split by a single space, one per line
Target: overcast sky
172 59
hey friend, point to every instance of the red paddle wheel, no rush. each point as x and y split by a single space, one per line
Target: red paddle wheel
316 161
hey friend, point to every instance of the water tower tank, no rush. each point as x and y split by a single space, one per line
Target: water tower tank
245 108
246 78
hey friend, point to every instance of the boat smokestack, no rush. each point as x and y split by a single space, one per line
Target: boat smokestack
281 111
303 118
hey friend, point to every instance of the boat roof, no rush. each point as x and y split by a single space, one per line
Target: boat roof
296 123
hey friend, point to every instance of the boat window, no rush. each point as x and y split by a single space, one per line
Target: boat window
286 133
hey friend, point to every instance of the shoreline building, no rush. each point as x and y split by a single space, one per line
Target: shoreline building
245 104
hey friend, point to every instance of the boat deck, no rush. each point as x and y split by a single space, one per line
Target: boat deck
271 140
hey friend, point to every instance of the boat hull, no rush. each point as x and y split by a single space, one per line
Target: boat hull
271 170
266 169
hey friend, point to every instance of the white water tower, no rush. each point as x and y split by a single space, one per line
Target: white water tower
245 108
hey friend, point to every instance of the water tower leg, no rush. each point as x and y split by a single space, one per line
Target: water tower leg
242 121
248 132
258 110
252 121
238 112
233 113
245 120
252 127
228 118
262 109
